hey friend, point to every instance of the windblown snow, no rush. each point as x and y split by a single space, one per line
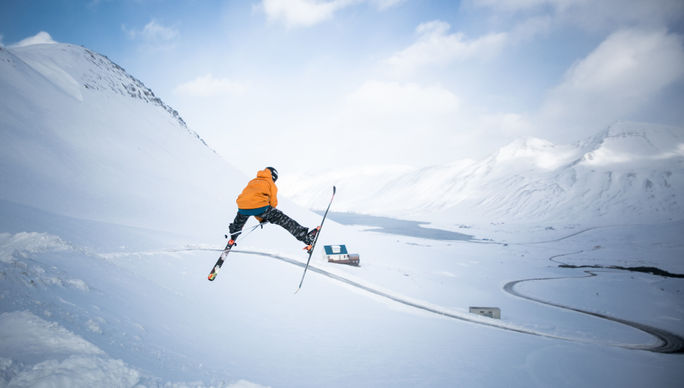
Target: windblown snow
112 212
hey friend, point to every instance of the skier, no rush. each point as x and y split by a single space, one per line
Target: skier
259 199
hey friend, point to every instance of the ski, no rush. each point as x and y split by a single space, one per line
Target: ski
219 262
310 249
226 250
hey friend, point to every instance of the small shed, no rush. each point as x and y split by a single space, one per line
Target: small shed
338 254
491 312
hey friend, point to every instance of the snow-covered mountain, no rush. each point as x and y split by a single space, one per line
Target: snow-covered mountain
94 292
629 172
82 138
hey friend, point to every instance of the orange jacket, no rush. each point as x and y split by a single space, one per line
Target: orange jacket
260 192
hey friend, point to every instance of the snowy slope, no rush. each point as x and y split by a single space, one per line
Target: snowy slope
94 291
80 137
629 172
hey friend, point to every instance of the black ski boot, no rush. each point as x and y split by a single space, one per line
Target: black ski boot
311 237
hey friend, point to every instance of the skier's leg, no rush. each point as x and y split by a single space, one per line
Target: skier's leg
237 225
277 217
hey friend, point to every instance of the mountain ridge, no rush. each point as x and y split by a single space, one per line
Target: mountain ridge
627 172
82 138
90 70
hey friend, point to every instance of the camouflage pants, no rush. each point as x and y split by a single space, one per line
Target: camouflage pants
273 216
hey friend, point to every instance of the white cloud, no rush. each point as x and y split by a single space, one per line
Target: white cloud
294 13
390 122
383 99
306 13
436 46
385 4
591 14
419 125
511 125
40 38
518 5
208 86
529 28
152 32
622 74
155 31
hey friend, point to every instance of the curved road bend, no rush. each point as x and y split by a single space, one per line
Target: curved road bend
667 342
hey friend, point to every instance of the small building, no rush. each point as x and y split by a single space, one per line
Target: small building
491 312
338 254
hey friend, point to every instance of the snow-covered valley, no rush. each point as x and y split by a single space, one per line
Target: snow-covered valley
113 213
150 317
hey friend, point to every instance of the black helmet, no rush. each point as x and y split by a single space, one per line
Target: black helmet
274 173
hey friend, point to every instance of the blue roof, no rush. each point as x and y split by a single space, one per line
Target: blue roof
335 250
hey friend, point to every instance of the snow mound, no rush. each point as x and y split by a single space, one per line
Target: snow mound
17 252
38 353
39 339
25 243
35 352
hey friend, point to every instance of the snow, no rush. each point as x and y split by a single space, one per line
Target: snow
40 38
630 172
113 213
44 354
47 355
116 144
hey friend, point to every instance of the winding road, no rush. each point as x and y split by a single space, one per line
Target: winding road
667 342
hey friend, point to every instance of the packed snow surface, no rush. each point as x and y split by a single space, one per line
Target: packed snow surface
113 213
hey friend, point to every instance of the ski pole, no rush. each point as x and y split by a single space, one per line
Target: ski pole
243 233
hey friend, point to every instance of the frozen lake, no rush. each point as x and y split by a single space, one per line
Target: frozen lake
396 226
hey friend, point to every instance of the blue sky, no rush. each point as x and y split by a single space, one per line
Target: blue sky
307 84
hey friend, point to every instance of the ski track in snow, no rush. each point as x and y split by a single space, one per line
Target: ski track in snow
667 342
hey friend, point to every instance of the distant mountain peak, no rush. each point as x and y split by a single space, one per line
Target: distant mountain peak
628 172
